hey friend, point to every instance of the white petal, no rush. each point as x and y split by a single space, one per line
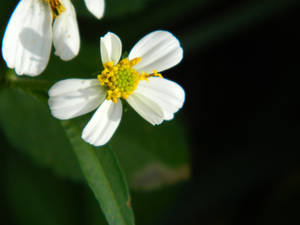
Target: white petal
111 48
66 38
167 94
27 40
103 124
96 7
74 97
146 107
160 50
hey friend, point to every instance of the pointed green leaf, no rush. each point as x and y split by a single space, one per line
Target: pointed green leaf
104 177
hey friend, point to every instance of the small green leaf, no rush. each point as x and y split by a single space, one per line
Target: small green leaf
104 177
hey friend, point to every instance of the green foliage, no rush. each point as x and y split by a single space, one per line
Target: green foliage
30 128
104 177
47 199
167 156
150 168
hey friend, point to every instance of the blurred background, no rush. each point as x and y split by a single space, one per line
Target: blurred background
230 156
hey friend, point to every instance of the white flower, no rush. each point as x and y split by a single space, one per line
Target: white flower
27 41
135 79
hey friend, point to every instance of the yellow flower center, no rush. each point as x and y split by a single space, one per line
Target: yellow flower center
56 7
121 80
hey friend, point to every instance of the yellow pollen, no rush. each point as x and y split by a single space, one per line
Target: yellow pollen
121 80
56 6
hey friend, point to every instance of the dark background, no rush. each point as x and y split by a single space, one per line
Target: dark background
244 120
240 73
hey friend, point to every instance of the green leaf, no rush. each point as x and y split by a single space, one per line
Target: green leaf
158 202
44 137
104 177
30 128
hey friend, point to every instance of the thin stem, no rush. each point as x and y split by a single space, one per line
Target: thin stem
33 84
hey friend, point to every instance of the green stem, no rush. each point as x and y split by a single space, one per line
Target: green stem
13 81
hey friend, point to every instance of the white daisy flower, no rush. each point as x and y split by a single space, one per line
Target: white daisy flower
135 79
27 41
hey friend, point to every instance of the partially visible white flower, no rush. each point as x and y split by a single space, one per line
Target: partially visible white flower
96 7
135 79
28 37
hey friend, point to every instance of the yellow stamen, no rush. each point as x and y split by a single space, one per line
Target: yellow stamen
121 80
57 7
